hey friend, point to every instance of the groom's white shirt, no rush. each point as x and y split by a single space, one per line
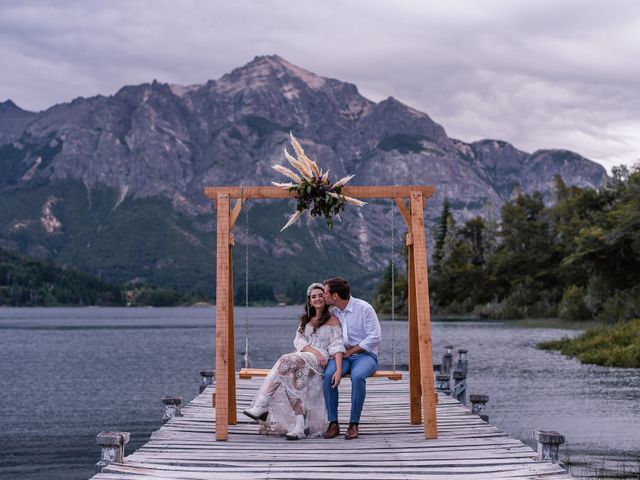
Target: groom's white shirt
360 325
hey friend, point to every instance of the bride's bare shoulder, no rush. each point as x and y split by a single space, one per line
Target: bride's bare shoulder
333 321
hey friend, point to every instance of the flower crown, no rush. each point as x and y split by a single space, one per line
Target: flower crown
314 285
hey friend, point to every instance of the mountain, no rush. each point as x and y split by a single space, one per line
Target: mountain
114 184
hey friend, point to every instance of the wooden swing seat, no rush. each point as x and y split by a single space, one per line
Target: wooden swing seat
248 373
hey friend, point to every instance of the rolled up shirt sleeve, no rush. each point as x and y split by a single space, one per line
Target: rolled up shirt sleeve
336 344
372 331
300 341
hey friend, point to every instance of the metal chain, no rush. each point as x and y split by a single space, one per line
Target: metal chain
247 360
393 285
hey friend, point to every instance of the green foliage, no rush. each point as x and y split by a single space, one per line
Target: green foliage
621 305
139 239
259 293
441 232
578 258
382 300
612 346
157 297
26 281
572 305
31 282
316 192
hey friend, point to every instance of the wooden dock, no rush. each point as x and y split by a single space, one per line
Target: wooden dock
388 446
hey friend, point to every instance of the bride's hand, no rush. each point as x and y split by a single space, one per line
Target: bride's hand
321 360
335 380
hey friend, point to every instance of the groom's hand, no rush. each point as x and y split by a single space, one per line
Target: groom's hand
335 380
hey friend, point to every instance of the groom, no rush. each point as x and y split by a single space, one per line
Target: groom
361 334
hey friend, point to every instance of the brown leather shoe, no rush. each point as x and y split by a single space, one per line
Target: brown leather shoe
333 430
352 432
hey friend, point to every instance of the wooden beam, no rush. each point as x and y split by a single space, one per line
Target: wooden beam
247 373
415 392
427 381
357 192
235 213
222 318
404 210
233 414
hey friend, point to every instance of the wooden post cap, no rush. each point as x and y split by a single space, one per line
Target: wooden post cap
478 398
208 373
113 439
172 400
547 437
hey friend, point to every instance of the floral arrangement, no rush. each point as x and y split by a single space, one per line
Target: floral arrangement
312 188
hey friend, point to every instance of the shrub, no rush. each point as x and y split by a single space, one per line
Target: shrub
572 305
622 305
613 346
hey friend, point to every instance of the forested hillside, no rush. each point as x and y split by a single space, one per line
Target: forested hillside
577 259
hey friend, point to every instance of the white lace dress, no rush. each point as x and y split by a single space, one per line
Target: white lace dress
296 380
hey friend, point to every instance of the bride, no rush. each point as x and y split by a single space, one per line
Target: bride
290 400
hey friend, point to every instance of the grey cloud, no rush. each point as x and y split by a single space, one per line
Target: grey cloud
539 74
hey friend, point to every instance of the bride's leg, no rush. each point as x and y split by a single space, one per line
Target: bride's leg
293 366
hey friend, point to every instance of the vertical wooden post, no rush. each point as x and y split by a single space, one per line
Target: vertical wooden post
427 380
222 318
415 395
233 413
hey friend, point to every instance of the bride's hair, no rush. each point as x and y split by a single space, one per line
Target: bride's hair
310 312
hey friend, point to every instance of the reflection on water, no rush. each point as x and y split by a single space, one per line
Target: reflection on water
66 374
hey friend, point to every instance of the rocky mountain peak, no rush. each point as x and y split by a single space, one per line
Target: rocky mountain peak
9 106
265 70
122 162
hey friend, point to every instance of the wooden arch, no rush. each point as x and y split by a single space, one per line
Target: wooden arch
421 377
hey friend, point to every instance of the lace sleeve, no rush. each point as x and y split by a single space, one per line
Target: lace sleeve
300 341
336 344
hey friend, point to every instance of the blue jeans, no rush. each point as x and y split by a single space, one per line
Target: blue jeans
360 366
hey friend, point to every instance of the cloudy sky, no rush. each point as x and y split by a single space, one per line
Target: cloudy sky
543 74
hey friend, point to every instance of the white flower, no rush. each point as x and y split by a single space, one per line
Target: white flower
288 173
292 219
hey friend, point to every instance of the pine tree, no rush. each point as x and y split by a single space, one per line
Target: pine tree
441 230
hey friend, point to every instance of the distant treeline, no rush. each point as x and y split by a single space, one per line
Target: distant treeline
26 281
577 259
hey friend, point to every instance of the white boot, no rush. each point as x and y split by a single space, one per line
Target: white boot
260 409
297 432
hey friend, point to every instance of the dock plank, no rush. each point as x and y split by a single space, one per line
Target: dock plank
388 447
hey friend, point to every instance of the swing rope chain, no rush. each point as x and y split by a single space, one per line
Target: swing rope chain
247 360
393 286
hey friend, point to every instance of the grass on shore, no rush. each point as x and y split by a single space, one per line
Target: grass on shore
612 346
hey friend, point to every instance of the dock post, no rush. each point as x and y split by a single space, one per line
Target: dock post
172 408
548 445
447 359
460 386
437 368
463 360
112 444
479 405
207 379
460 377
442 384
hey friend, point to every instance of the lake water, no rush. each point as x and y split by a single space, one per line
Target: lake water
68 373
